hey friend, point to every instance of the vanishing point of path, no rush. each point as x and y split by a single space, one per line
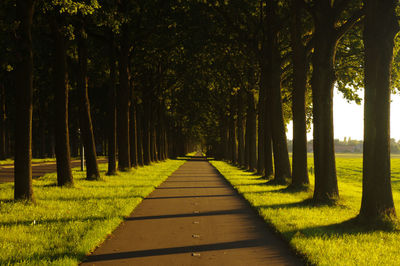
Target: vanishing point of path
193 218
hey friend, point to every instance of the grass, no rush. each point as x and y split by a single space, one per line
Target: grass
65 224
323 234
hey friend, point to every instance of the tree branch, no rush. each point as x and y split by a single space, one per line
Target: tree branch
359 14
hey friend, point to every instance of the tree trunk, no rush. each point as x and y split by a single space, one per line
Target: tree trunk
268 162
381 26
261 121
133 132
281 155
225 139
139 131
24 92
112 119
251 132
232 134
247 135
159 134
323 78
124 161
85 120
146 134
153 144
62 147
2 122
42 129
240 127
299 159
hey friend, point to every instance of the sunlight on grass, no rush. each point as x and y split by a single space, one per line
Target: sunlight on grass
319 232
67 223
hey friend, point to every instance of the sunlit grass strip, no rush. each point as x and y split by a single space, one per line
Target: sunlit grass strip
321 232
67 223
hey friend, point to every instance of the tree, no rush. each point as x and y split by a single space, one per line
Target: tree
274 97
328 31
112 127
300 67
123 102
85 119
251 132
24 91
381 26
61 88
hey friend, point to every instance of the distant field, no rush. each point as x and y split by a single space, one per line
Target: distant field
320 232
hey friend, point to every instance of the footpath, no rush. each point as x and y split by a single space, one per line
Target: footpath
194 218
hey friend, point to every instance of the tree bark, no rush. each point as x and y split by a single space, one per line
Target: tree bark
268 161
232 132
153 137
323 78
112 113
381 26
133 132
240 128
139 131
225 139
85 120
2 122
24 92
124 161
251 132
146 133
299 159
62 147
261 120
281 155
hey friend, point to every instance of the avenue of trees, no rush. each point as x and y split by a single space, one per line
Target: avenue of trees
144 80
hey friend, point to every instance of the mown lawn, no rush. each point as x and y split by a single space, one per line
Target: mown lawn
322 233
65 224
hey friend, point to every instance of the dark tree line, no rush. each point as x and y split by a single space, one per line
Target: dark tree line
67 55
295 57
146 80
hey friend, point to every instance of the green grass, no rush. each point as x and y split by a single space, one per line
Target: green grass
322 233
65 224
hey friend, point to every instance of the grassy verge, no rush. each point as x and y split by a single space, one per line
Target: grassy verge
67 223
322 233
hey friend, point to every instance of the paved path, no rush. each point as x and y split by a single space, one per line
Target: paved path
38 169
193 218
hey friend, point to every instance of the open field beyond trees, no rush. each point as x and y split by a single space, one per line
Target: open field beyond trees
67 223
323 233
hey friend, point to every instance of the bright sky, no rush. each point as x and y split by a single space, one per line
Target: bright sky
349 118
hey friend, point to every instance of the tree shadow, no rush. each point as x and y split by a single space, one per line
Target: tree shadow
348 227
50 185
291 190
52 221
177 250
306 203
86 198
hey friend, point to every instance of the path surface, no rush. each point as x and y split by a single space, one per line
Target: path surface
38 169
193 218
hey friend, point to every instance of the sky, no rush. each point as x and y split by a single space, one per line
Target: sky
349 118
